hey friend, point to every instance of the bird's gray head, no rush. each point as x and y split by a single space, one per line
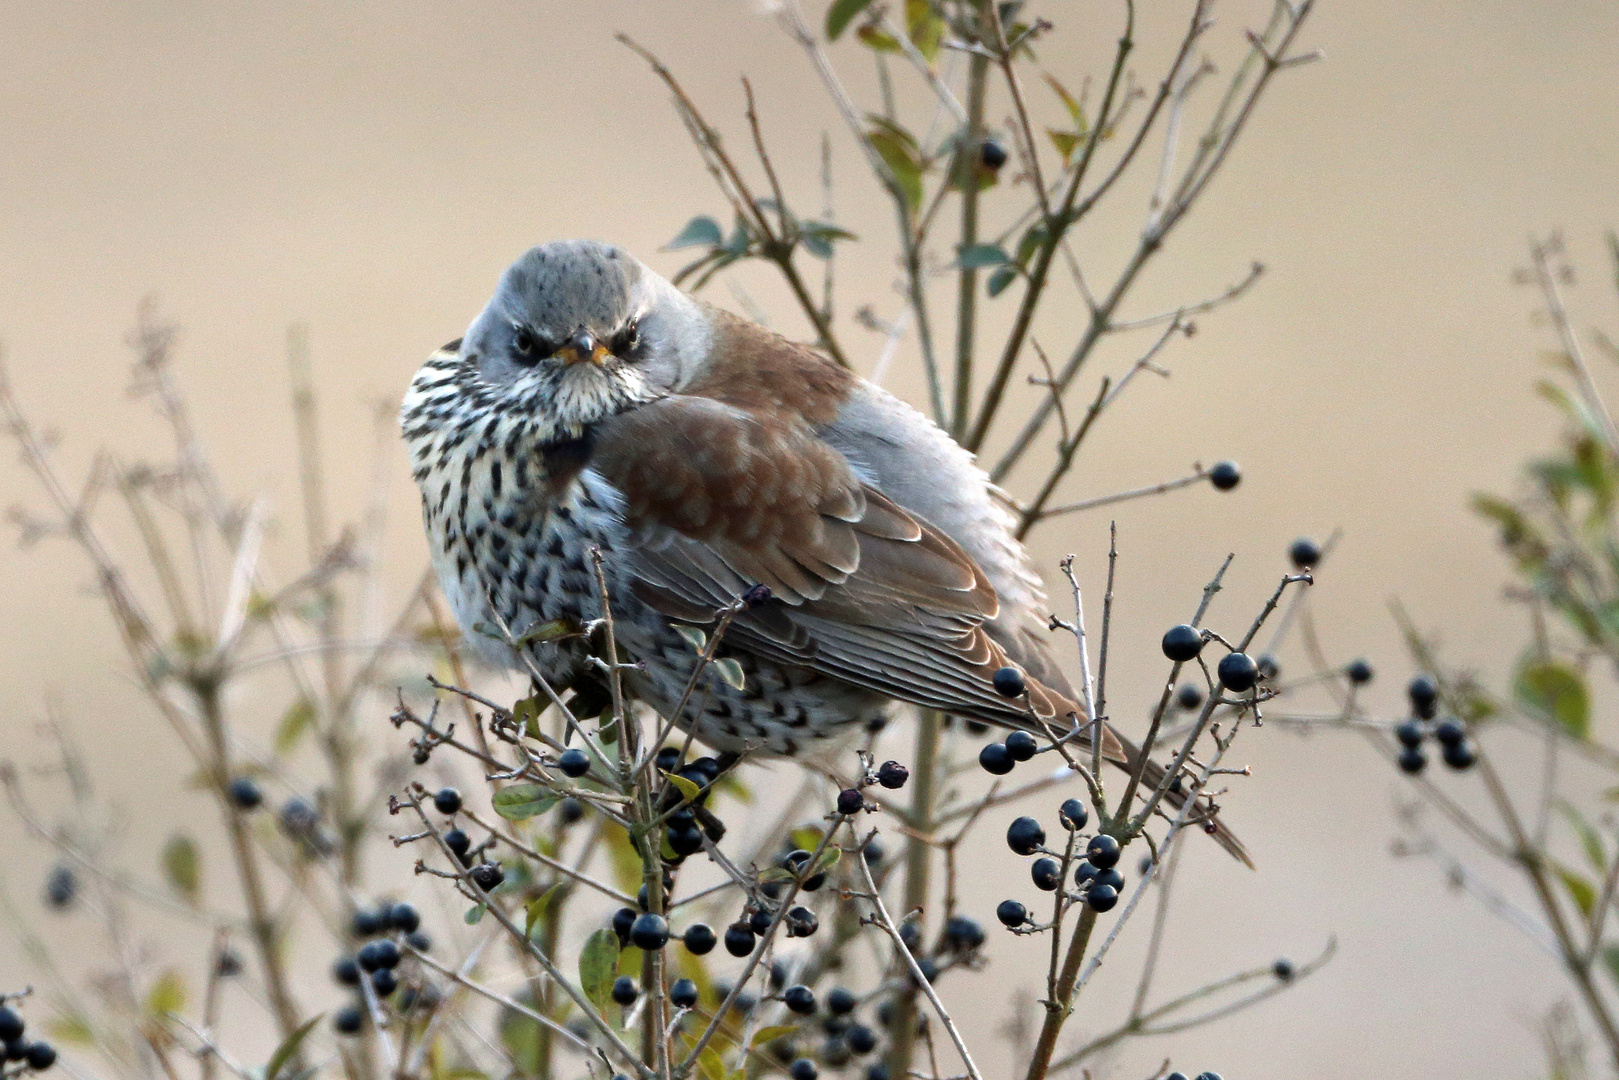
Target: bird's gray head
579 331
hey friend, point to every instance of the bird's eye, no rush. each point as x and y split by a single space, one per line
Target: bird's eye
523 342
529 347
627 340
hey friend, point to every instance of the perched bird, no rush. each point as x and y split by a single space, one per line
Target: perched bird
593 404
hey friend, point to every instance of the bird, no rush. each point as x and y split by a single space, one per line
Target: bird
593 407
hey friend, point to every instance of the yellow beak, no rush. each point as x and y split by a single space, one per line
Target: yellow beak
582 348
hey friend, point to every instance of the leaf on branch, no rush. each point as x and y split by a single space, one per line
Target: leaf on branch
1068 101
182 868
1590 842
167 995
526 713
536 908
1064 141
699 232
729 669
772 1033
474 914
688 790
72 1028
980 255
817 237
289 1047
829 858
899 152
712 1064
1555 692
1581 891
598 964
522 801
298 720
776 875
1000 279
877 40
925 26
840 14
693 636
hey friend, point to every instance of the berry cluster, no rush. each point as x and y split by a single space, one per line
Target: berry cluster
1097 880
1237 671
999 758
377 961
846 1037
37 1055
1454 746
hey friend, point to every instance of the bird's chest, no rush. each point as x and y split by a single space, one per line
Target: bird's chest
511 528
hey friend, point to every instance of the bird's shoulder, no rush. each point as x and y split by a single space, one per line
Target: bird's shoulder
758 371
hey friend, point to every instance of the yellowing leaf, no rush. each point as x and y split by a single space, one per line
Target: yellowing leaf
688 789
73 1029
925 27
181 869
771 1034
298 720
167 995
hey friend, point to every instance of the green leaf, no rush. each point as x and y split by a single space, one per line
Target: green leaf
298 720
1610 956
829 858
474 914
1068 102
1000 279
776 874
840 14
1590 842
980 255
167 995
1555 692
699 232
688 789
693 636
1064 141
711 1063
925 27
289 1047
536 908
73 1029
598 962
522 801
772 1033
898 150
730 669
1581 891
877 40
817 237
527 712
181 868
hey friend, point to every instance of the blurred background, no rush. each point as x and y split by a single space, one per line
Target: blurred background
368 170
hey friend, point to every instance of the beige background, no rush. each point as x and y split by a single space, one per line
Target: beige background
369 168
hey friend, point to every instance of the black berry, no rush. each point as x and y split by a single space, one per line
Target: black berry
1283 969
1424 694
61 887
1225 475
369 958
801 922
699 939
571 810
1110 876
800 999
404 917
419 941
802 1069
840 1002
685 839
1268 667
574 762
1237 672
850 802
992 154
228 964
759 922
11 1024
1412 760
1084 873
911 935
878 1071
41 1056
348 1020
625 991
861 1039
623 919
1189 696
668 759
245 793
488 876
368 923
963 933
893 775
872 852
1020 746
346 970
1046 873
1025 836
683 994
1073 815
1009 682
1449 732
996 759
739 939
1011 913
1460 756
1304 552
1182 643
1410 734
1359 672
798 861
387 953
1101 897
1102 852
447 800
649 932
458 842
384 982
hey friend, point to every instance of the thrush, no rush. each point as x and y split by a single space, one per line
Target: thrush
592 404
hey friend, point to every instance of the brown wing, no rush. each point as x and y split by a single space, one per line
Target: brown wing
722 497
